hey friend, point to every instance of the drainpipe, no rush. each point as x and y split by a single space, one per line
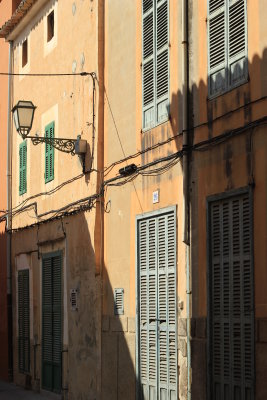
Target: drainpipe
9 220
186 233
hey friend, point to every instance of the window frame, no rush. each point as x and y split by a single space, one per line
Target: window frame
228 60
164 99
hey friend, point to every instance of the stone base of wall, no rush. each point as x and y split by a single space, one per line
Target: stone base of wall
118 358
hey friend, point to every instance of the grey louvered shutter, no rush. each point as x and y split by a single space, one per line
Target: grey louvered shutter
162 60
217 46
148 304
24 320
237 42
148 64
232 318
166 229
157 291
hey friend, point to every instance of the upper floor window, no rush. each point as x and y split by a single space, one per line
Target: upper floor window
227 45
24 60
49 153
23 168
155 62
50 26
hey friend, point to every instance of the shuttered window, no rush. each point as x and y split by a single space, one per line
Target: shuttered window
52 321
157 309
227 41
155 62
49 153
24 321
231 300
23 168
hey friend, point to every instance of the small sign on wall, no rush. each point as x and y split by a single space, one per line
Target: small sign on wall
156 197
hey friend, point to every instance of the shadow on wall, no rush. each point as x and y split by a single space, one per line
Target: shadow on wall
209 118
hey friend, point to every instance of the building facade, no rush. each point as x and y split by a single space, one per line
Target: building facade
138 270
7 7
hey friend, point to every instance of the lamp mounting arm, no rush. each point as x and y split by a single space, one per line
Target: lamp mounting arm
64 145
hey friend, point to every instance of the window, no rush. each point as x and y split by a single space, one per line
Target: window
49 153
50 26
24 321
24 53
155 65
227 42
23 168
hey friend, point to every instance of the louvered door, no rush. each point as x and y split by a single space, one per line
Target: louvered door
231 300
157 312
52 337
24 320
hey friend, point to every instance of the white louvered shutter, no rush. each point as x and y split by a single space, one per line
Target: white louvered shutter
157 289
155 62
148 64
232 318
227 44
162 60
217 46
237 42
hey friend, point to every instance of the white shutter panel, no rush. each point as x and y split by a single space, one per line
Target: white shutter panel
148 64
162 66
217 47
237 46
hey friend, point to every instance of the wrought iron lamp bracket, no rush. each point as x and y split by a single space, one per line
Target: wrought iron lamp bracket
64 145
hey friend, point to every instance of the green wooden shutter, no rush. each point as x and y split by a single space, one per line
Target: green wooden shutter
217 46
237 42
52 321
24 321
157 317
57 335
23 168
47 340
232 318
162 60
49 153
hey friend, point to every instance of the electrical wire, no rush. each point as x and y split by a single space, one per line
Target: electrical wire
89 202
53 74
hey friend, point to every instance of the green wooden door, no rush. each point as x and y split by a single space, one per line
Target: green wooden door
24 320
51 318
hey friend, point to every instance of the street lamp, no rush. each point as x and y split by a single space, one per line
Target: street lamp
23 113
